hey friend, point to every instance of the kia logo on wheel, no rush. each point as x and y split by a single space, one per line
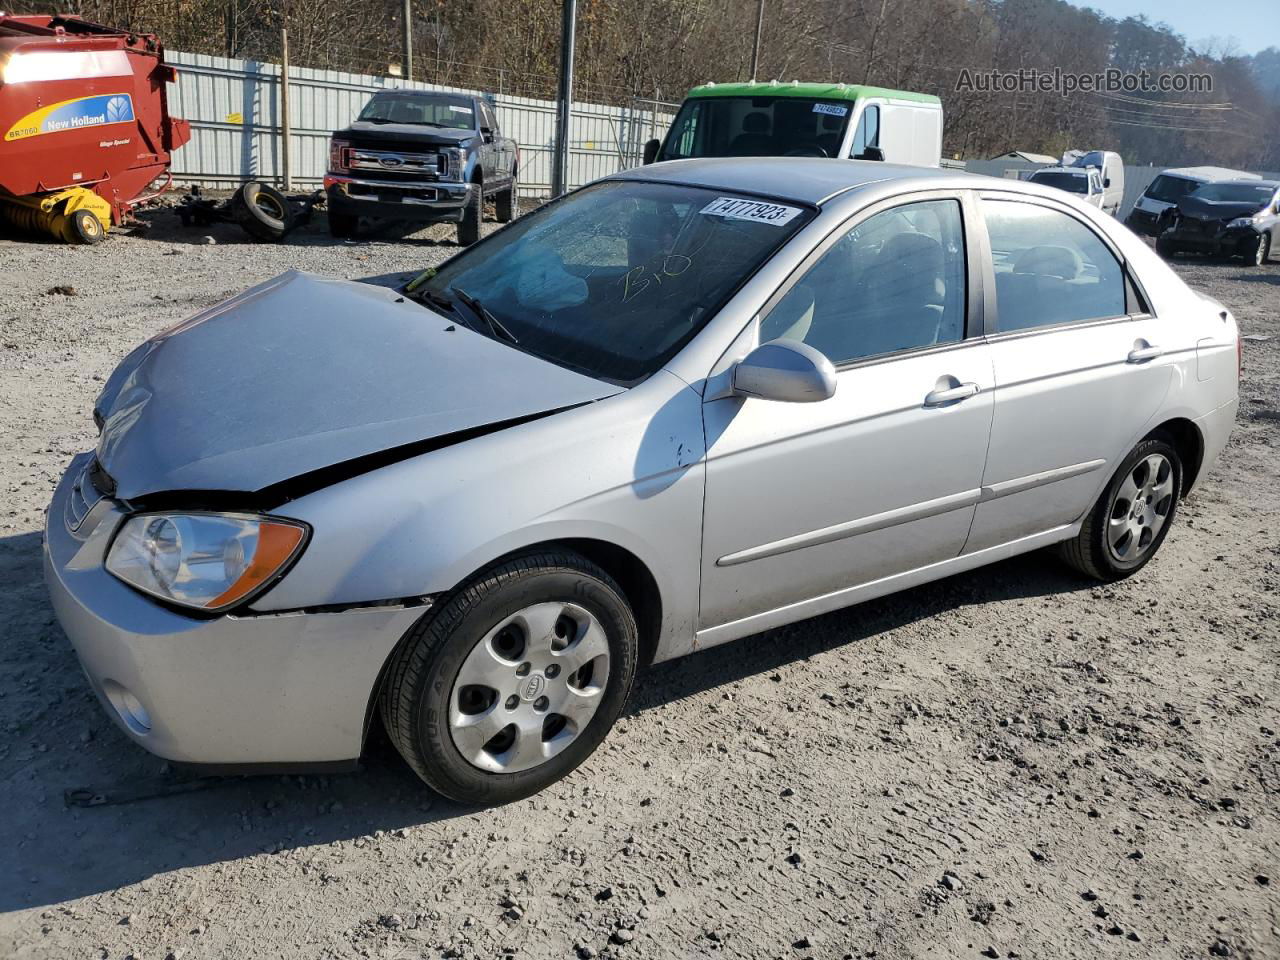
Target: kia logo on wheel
533 687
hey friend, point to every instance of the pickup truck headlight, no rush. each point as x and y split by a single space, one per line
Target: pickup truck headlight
206 561
339 155
455 162
1241 222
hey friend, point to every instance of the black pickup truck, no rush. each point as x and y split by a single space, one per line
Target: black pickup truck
422 156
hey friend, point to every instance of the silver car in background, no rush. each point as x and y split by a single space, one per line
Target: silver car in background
684 404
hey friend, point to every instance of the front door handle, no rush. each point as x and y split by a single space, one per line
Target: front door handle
1143 354
939 398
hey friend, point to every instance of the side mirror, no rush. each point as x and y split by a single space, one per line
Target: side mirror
487 134
871 153
651 151
785 370
1106 182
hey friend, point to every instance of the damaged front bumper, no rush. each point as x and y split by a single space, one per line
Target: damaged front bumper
253 692
1212 237
430 201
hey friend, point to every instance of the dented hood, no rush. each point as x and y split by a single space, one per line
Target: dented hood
303 373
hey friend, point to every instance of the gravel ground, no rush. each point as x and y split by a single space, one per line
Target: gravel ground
1009 763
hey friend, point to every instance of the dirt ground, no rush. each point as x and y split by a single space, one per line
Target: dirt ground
1009 763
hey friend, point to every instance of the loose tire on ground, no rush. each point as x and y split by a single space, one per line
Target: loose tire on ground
421 708
472 215
86 227
262 211
1094 551
507 203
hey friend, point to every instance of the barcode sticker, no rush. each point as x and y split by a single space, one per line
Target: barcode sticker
757 211
833 109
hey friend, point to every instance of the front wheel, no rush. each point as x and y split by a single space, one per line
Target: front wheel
472 215
1166 249
1126 526
506 204
515 680
1260 251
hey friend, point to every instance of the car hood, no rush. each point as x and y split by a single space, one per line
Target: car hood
367 132
1198 209
304 373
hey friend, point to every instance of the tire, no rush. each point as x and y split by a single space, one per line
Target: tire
1260 253
506 204
262 211
85 227
1099 550
482 633
344 226
472 215
1165 248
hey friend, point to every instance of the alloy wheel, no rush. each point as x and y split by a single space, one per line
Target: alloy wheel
1140 508
529 687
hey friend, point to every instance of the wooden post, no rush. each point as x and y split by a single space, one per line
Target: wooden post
407 16
285 130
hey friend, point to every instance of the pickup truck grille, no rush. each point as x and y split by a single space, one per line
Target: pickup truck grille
396 164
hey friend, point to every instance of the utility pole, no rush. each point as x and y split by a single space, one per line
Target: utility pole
407 16
560 160
285 131
755 49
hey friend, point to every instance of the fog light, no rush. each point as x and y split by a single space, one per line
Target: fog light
129 707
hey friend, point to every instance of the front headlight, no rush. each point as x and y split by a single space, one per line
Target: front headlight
1240 222
208 561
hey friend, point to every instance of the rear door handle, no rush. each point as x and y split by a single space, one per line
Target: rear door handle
1143 354
938 398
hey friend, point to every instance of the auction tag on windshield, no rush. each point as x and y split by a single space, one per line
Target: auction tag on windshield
832 109
755 210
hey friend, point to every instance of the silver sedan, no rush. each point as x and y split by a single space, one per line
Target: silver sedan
681 405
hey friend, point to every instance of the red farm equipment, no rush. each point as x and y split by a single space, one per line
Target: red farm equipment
85 125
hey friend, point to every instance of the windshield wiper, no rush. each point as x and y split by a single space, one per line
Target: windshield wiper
496 329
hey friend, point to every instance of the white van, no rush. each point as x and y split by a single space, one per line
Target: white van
1084 182
838 120
1111 169
1168 188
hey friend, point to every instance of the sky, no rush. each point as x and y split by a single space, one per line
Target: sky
1252 24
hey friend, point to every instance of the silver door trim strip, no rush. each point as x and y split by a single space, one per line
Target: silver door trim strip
915 511
850 528
1006 488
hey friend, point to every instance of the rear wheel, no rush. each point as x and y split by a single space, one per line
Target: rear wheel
1126 526
472 215
507 203
515 680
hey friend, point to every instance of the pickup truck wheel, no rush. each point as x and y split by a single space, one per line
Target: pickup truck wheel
343 225
507 203
472 214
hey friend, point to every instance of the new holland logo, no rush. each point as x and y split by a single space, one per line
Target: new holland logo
104 109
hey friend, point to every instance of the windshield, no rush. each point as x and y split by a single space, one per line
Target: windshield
1169 189
614 279
757 127
1072 182
432 111
1236 192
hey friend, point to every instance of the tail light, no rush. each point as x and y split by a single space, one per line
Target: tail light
339 155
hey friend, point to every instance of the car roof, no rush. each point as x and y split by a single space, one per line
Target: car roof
811 91
1208 173
802 179
1273 184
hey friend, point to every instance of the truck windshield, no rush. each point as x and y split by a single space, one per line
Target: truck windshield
1071 182
614 279
757 127
430 111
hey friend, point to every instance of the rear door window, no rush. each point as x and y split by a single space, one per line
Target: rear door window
1050 268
